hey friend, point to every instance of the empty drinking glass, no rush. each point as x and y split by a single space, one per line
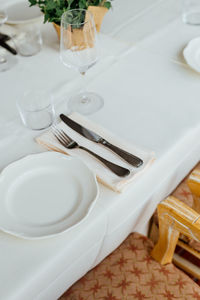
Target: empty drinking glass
79 49
29 40
36 109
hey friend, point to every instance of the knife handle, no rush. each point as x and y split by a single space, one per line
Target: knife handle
130 158
118 170
7 47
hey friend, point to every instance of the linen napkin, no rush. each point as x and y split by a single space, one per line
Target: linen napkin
104 175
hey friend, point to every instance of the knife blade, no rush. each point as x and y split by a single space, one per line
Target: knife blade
92 136
4 37
7 47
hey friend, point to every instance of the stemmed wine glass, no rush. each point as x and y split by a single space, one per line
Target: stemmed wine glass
79 49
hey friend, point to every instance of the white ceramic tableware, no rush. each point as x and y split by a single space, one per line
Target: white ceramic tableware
19 12
191 54
45 194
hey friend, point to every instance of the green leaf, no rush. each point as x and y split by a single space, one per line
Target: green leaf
70 3
32 2
46 17
83 4
107 5
53 9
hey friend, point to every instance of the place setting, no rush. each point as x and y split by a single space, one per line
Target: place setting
82 144
49 193
79 49
52 192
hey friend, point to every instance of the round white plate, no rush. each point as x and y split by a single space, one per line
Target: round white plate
191 54
19 12
45 194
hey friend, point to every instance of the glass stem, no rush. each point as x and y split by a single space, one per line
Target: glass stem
85 99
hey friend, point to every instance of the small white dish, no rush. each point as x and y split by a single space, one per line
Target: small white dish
191 54
19 12
45 194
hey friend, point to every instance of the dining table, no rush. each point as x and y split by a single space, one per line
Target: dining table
151 99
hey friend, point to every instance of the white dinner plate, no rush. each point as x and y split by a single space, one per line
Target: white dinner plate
19 12
45 194
191 54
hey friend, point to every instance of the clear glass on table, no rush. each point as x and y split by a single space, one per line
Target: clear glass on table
36 109
28 41
79 49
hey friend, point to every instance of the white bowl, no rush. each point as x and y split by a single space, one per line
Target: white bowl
19 12
191 54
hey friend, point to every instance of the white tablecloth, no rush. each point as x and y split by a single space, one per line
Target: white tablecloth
151 99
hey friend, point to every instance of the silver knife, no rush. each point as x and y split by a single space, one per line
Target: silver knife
92 136
3 39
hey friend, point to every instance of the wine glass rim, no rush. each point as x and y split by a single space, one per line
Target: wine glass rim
80 9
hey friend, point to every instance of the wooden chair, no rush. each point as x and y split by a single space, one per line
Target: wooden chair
193 182
175 218
131 273
189 193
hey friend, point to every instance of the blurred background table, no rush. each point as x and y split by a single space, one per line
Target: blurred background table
152 98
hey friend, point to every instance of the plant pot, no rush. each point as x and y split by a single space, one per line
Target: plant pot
57 28
98 13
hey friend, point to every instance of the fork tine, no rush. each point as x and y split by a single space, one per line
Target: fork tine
62 134
65 135
58 133
59 137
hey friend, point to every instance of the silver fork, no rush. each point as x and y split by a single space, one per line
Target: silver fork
68 143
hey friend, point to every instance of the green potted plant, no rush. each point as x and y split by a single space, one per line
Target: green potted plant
53 9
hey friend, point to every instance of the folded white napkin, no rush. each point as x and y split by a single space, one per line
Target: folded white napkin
104 175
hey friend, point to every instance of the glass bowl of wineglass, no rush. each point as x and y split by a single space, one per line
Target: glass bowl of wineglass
79 49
